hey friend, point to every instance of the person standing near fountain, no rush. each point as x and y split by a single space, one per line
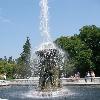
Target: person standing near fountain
87 76
92 76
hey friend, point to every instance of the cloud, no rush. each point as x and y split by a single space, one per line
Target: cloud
4 19
1 17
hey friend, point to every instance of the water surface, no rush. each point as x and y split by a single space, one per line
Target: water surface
73 93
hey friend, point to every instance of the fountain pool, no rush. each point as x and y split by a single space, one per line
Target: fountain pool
27 92
49 82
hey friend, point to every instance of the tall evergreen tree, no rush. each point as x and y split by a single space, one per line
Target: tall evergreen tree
23 62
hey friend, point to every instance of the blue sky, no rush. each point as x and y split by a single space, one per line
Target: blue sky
20 18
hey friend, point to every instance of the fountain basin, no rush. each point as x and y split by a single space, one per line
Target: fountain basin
30 92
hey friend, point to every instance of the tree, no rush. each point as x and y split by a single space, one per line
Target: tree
78 54
23 69
91 37
7 67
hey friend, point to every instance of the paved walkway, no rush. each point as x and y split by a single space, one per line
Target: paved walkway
64 81
81 81
4 83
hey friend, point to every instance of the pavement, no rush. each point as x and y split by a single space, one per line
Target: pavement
64 81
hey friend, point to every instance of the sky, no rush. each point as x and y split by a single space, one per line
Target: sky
20 18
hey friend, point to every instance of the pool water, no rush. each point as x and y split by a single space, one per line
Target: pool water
73 93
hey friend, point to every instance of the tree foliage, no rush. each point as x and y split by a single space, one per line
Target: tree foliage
82 54
78 54
7 67
23 69
83 49
91 37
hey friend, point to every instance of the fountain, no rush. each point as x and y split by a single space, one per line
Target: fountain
44 20
49 59
49 70
49 55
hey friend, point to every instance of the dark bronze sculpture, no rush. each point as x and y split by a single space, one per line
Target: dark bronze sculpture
49 69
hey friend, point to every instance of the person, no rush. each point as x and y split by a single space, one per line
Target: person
92 76
4 76
78 75
87 76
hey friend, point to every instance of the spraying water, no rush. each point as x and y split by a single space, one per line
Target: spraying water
49 56
44 19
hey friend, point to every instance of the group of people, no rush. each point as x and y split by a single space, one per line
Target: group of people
90 75
76 77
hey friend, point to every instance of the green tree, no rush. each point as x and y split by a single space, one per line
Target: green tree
91 37
78 54
23 69
7 67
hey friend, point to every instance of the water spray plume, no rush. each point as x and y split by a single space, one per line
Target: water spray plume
44 20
